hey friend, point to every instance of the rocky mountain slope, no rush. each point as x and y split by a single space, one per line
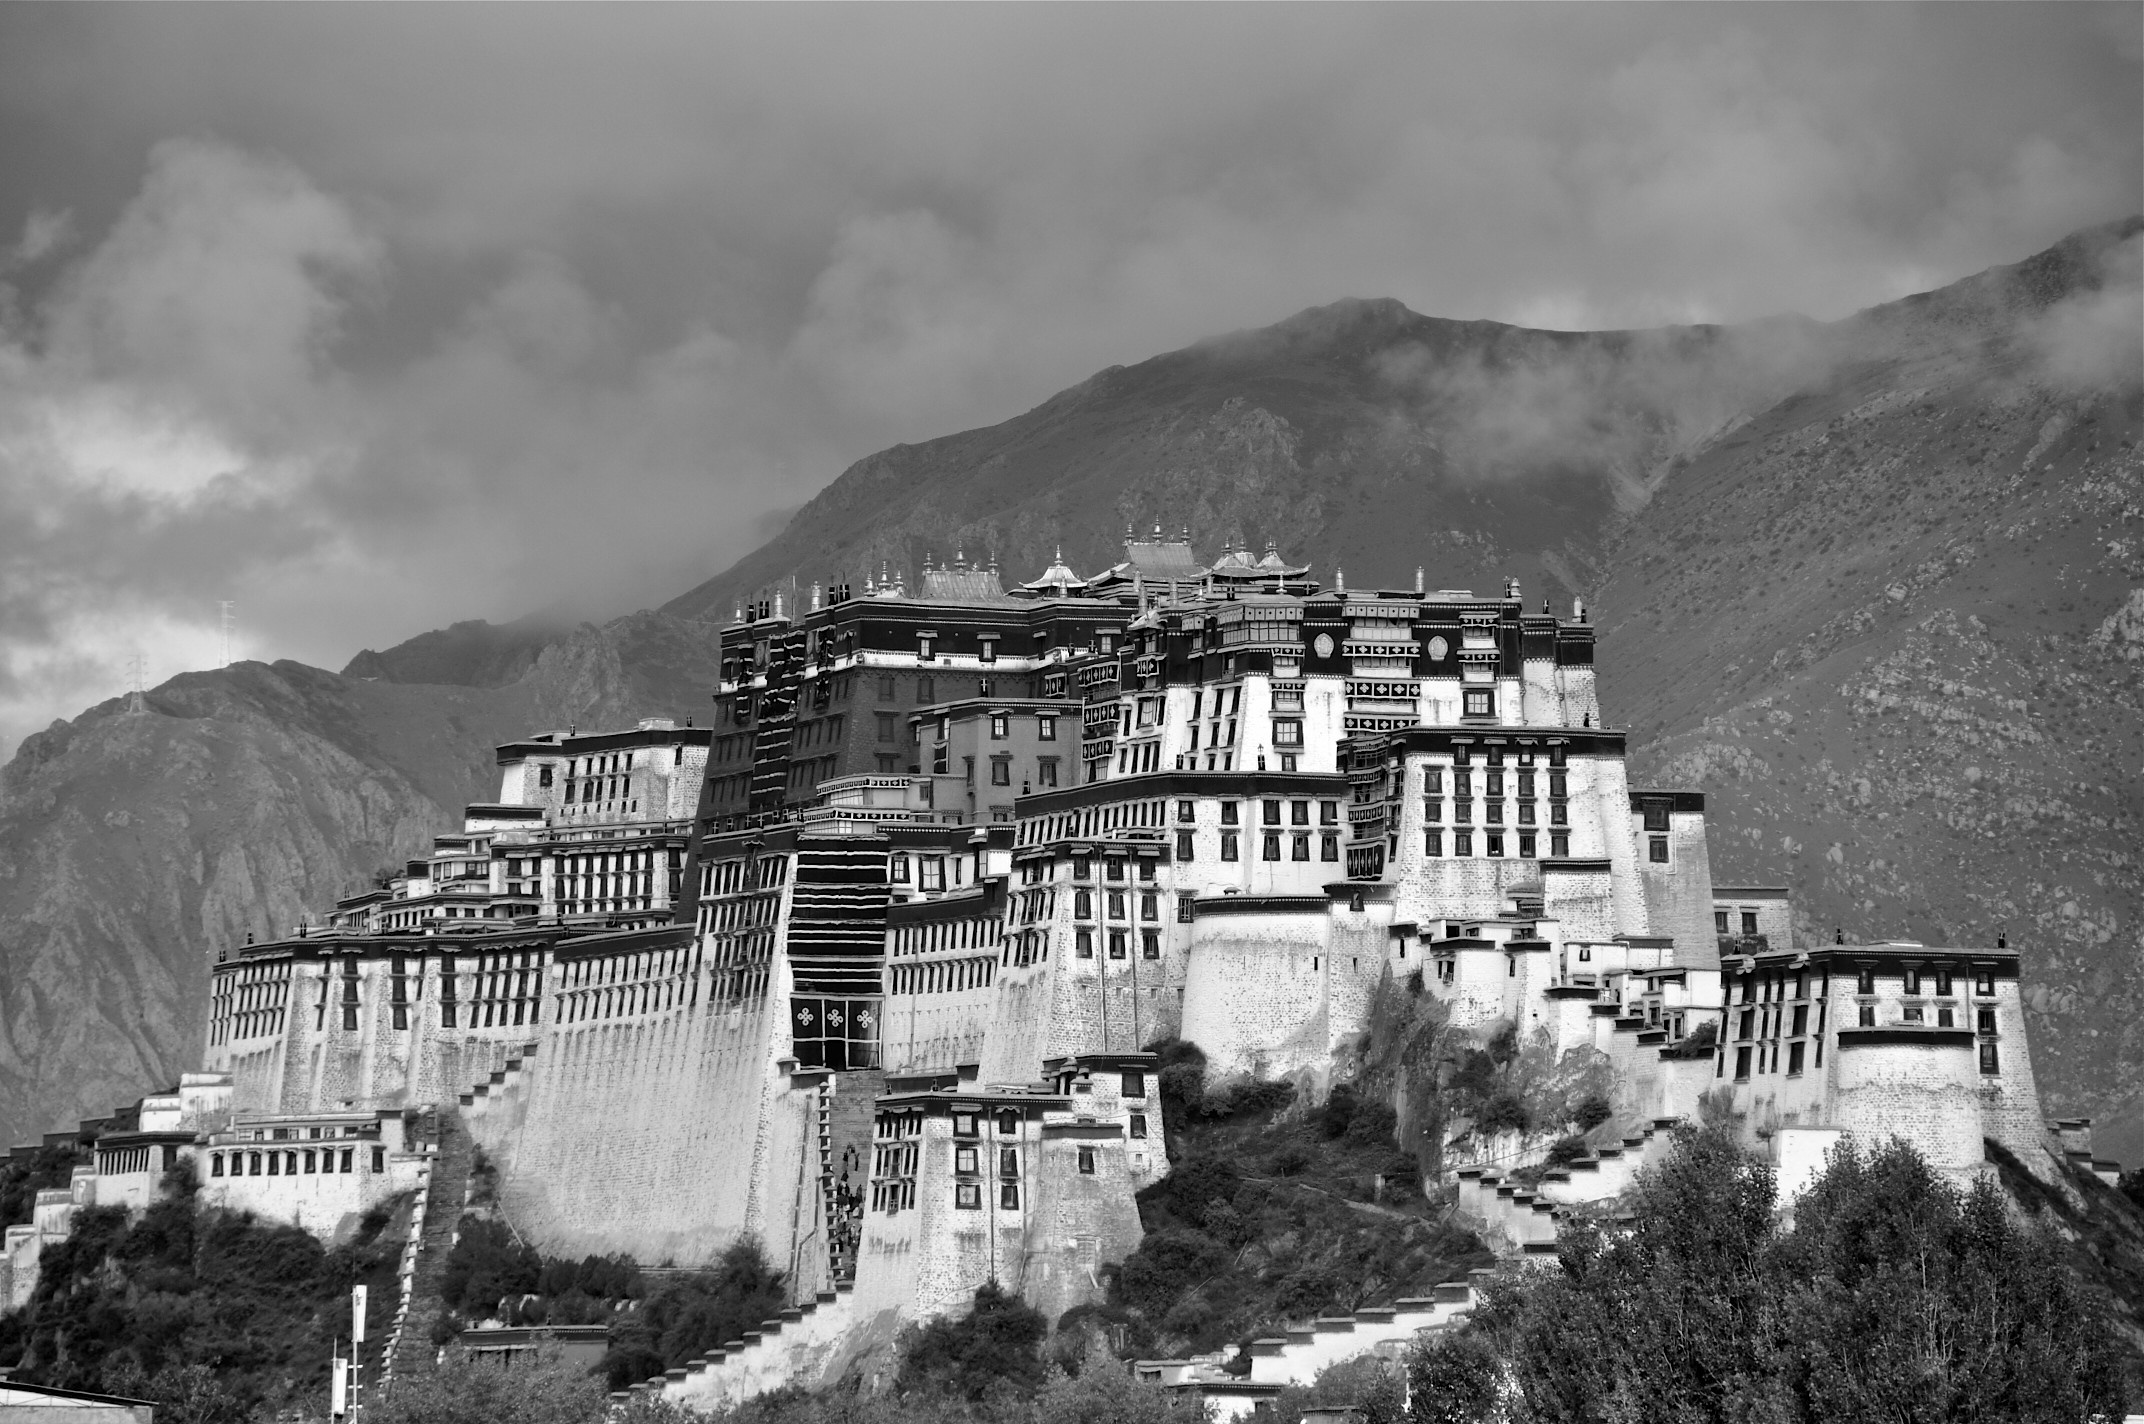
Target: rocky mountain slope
1872 583
1896 627
136 844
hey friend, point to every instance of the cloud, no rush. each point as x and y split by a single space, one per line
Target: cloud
375 318
2094 340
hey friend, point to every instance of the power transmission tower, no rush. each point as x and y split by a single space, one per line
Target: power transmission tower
226 605
139 667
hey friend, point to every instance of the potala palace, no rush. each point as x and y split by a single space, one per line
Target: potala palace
869 967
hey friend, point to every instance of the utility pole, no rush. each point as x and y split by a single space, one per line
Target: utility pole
357 1341
225 606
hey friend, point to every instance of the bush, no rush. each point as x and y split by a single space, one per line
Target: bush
1169 1264
1504 1112
486 1266
994 1346
690 1315
465 1392
1594 1109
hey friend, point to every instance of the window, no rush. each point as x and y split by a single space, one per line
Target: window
1001 771
1149 904
900 870
964 1161
885 727
1656 849
349 1154
990 649
1133 1083
379 1159
1046 771
1432 842
1000 726
1990 1060
1045 729
1184 909
1462 843
968 1196
1008 1125
1083 939
1984 985
1271 813
1150 944
1559 844
1116 901
1867 1017
930 873
1526 845
1328 813
1009 1196
1138 1125
923 644
1480 702
1300 847
1116 944
1943 983
926 690
1288 733
1228 846
1801 1020
215 1164
1741 1065
1228 813
1913 981
1865 980
1082 868
1082 904
886 690
1984 1020
1271 846
967 1124
1086 1161
1719 922
1329 846
1495 843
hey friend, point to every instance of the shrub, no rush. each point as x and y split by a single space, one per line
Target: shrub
690 1315
1594 1109
486 1266
465 1392
1168 1264
1503 1112
995 1345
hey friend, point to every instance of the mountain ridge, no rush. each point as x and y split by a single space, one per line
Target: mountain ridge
1737 503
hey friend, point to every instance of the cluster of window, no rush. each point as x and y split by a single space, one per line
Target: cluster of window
612 985
292 1162
605 779
969 1155
503 989
1774 1018
248 1001
1508 817
946 976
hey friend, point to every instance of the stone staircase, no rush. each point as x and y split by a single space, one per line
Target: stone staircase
1518 1218
1298 1357
409 1350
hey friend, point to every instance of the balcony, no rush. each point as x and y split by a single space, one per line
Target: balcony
1744 944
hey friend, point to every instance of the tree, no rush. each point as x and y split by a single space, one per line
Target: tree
1454 1378
995 1346
1894 1296
1104 1392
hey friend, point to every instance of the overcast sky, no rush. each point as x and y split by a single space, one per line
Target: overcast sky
372 318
